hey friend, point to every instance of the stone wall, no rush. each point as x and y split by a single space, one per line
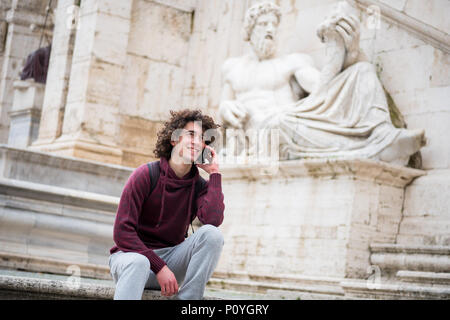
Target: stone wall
408 45
133 61
154 71
16 19
314 217
414 69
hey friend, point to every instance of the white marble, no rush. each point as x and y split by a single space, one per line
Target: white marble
25 113
340 111
313 217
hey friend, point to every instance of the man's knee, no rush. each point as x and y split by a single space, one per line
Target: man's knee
136 261
212 235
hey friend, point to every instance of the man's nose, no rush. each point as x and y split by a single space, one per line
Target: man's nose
196 140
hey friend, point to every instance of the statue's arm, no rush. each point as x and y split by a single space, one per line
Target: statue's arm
305 74
334 58
341 34
349 29
308 78
341 46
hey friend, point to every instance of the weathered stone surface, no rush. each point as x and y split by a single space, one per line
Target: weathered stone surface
438 278
415 258
25 113
27 285
56 207
174 60
316 220
364 290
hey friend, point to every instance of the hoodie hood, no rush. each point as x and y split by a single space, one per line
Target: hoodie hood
169 178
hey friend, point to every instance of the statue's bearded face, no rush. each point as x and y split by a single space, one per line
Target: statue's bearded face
263 35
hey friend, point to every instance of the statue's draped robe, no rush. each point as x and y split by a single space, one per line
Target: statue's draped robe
349 118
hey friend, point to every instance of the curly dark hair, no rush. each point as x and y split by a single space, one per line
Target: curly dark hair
178 120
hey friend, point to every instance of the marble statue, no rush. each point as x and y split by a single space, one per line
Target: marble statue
340 111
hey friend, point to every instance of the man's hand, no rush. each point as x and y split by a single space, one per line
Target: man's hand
213 166
167 282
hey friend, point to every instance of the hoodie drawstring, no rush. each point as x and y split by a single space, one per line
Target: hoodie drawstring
190 200
163 196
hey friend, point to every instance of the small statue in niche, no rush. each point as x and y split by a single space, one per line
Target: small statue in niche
36 65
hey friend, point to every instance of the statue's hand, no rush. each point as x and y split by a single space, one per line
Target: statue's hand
233 113
327 29
348 26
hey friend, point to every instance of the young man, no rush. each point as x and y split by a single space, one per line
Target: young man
149 232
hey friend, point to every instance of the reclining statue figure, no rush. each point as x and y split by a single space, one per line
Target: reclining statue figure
338 112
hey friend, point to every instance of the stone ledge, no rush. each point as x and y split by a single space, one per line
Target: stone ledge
439 278
58 289
62 171
420 29
414 249
414 258
53 266
267 287
12 187
67 162
25 287
415 262
291 279
367 290
361 169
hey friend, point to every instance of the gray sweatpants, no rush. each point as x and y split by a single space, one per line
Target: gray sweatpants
192 262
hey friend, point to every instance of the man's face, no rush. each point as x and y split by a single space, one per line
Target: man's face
190 143
263 35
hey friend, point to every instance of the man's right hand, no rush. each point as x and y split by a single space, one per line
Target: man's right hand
167 282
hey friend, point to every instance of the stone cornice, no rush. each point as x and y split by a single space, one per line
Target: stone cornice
357 169
66 162
425 32
64 196
184 5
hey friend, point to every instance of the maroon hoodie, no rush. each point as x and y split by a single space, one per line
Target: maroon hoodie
144 223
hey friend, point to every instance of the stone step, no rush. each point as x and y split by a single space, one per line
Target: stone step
32 266
44 286
294 279
24 262
361 289
437 278
28 285
409 249
288 290
394 257
65 172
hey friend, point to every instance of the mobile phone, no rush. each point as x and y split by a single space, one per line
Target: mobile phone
206 156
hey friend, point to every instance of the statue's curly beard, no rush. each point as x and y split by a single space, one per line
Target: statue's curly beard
264 48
